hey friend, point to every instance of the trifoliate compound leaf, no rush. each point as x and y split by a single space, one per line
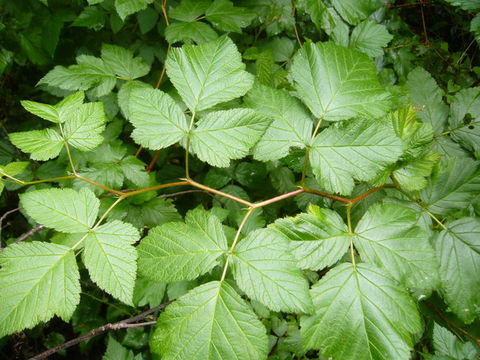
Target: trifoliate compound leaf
122 62
428 97
227 135
84 126
211 322
189 10
226 17
370 38
354 11
291 125
356 149
387 237
159 122
189 32
129 7
447 344
267 272
454 183
208 74
337 83
111 259
319 237
464 122
182 251
64 210
42 145
37 281
361 314
458 250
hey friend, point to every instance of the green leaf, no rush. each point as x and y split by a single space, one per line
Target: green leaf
354 11
446 343
360 315
337 83
68 104
159 122
356 149
129 7
42 145
89 72
92 17
148 292
319 237
187 32
458 250
182 251
370 38
115 351
465 119
14 168
210 322
189 10
84 125
122 62
427 96
111 259
226 17
387 237
134 170
267 272
454 183
317 11
123 96
208 74
45 111
37 281
291 126
222 136
64 210
412 176
465 4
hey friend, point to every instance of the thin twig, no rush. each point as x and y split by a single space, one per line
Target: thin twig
153 161
29 233
123 324
8 213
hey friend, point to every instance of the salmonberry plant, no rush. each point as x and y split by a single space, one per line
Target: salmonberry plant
240 180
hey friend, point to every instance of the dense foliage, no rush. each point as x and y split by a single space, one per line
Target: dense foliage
271 178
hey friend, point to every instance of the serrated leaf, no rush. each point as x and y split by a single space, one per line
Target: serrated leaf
115 351
111 259
92 17
208 74
360 315
354 11
129 7
267 272
427 96
122 62
14 168
90 72
45 111
445 343
84 125
148 292
227 135
123 96
458 250
179 251
370 38
187 32
291 126
337 83
64 210
42 145
454 183
69 103
134 171
210 322
159 122
356 149
37 281
226 17
189 10
319 237
387 237
465 119
412 176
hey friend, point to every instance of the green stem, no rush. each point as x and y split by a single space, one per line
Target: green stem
350 233
187 146
317 128
235 240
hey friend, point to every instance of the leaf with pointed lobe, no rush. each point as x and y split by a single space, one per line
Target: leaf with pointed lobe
42 145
